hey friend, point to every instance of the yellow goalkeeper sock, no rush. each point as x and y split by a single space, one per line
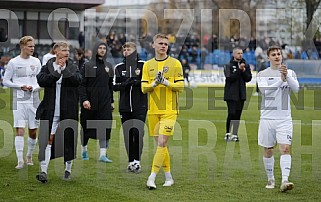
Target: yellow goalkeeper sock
167 161
158 159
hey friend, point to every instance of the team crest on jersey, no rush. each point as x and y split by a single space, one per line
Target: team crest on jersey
137 71
32 67
165 69
123 73
107 69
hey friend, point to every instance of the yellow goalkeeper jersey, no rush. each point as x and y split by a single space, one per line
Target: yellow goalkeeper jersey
163 99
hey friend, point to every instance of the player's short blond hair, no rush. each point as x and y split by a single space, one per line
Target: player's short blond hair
159 35
129 45
24 40
60 44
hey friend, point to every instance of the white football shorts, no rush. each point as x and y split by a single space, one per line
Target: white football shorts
275 131
24 114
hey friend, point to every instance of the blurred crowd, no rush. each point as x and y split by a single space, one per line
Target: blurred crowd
207 52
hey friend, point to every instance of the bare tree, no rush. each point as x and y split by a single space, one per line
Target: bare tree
311 6
248 6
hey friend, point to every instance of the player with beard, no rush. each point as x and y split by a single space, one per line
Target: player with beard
97 102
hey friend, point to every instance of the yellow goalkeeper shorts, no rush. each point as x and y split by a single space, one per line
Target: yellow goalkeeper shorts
161 124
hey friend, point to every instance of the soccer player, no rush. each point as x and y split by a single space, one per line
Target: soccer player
237 73
97 101
132 104
275 83
60 78
162 79
20 75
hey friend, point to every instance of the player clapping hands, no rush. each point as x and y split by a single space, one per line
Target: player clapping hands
284 72
159 79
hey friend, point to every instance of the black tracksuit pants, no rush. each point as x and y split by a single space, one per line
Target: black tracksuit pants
234 115
133 128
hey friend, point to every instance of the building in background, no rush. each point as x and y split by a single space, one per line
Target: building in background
45 20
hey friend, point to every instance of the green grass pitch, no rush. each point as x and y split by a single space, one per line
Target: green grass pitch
204 166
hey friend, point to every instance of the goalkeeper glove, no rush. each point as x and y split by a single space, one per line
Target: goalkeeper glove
164 81
159 77
154 84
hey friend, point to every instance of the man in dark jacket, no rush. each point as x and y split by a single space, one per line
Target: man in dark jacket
58 110
237 73
96 99
132 104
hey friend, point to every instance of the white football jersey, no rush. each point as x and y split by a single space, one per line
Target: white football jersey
276 93
21 72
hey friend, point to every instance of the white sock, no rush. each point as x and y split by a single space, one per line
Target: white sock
19 143
168 176
84 148
31 146
103 151
285 164
269 167
152 176
44 164
68 166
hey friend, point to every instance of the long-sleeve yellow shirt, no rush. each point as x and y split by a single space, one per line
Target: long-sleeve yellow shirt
163 99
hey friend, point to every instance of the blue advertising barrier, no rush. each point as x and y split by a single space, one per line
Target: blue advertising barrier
307 71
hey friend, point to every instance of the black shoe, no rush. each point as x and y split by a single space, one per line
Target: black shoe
42 177
67 175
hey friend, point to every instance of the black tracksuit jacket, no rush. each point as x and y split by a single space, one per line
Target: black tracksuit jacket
127 80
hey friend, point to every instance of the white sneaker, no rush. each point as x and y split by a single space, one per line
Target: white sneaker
151 184
168 183
20 165
29 161
286 185
235 138
270 184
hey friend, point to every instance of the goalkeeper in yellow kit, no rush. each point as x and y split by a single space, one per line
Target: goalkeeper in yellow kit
162 79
